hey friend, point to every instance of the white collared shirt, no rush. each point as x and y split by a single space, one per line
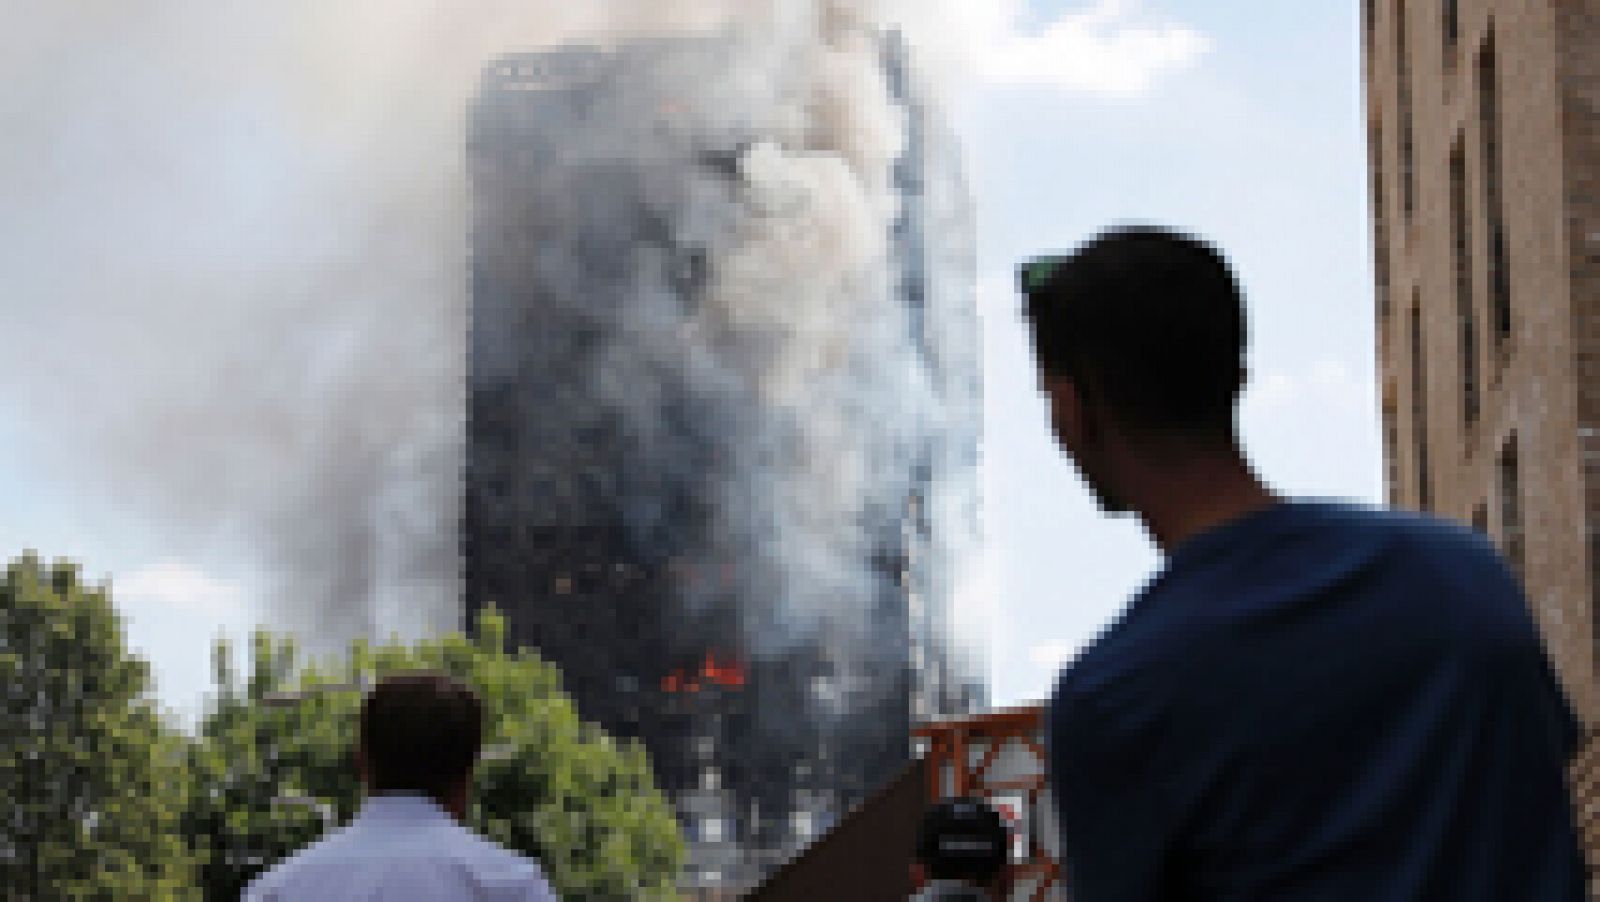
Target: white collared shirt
400 848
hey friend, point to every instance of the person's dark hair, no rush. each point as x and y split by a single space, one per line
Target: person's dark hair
963 839
420 731
1148 320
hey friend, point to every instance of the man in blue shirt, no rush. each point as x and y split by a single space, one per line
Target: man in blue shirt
420 736
1311 700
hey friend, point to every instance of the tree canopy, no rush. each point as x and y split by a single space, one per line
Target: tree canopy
92 776
549 785
105 799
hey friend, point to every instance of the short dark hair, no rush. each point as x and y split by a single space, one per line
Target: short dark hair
963 839
1150 320
420 731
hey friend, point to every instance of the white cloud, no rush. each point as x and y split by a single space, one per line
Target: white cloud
1051 655
1335 382
177 585
1324 384
1272 391
1106 47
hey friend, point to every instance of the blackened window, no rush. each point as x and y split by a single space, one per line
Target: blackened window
1511 506
1380 227
1452 26
1419 407
1465 318
1402 63
1493 196
1368 11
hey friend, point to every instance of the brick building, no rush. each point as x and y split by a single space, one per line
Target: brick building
1484 125
1484 142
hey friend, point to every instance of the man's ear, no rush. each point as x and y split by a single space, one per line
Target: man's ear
1067 414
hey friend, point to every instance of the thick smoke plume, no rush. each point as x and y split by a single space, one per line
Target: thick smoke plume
235 249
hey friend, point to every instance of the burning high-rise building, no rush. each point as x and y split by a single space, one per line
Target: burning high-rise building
723 412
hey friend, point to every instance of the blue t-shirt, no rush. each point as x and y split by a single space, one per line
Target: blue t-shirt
1318 701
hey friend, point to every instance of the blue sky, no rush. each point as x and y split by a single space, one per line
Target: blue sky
1254 142
1239 121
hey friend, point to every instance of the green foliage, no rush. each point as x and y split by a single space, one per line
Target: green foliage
104 800
92 777
551 787
250 752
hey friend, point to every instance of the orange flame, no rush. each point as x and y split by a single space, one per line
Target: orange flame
727 673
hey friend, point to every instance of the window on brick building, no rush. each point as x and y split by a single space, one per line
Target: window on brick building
1589 448
1380 226
1402 63
1466 319
1451 21
1511 530
1391 453
1493 193
1419 405
1594 574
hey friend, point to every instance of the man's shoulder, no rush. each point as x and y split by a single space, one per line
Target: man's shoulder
1319 546
1438 550
466 849
1321 540
450 845
278 877
496 857
1397 523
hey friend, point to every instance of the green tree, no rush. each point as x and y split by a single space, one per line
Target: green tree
550 785
92 777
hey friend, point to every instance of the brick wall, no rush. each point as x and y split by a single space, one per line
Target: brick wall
1577 28
1540 387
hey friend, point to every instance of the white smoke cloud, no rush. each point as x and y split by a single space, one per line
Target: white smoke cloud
799 345
235 245
178 585
1105 48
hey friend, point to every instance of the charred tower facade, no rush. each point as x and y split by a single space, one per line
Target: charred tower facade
621 433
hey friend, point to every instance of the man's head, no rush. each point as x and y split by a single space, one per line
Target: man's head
1140 336
963 839
420 732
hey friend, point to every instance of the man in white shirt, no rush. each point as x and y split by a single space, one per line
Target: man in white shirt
420 735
